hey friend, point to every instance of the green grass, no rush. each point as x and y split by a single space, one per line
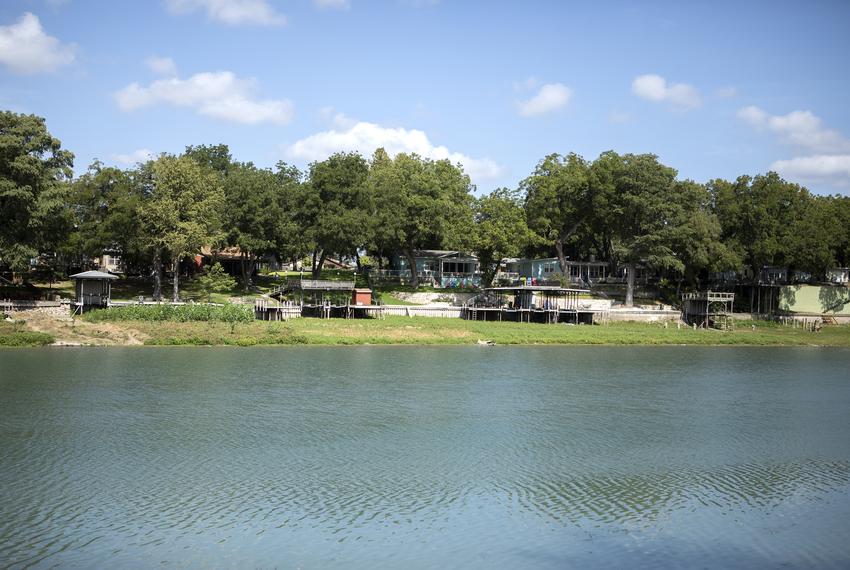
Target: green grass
388 298
14 334
437 331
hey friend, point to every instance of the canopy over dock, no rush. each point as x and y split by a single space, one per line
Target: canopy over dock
538 303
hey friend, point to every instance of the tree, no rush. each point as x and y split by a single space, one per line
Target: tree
33 172
213 157
644 212
336 210
757 216
215 279
841 207
420 203
500 230
182 211
696 236
559 199
815 235
102 206
254 216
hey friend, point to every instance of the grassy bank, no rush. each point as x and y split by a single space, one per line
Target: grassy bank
16 334
433 331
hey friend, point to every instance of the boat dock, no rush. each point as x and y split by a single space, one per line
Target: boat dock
529 304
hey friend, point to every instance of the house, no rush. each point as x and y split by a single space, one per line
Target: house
230 259
443 268
548 268
838 275
110 261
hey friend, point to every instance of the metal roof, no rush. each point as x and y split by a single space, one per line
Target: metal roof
93 275
549 288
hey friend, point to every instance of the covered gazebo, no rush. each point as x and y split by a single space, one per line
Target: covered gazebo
92 289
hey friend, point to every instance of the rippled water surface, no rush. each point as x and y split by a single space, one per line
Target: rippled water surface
464 457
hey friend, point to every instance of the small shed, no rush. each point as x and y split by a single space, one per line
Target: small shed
92 289
361 297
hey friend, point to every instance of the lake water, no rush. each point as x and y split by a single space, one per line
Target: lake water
464 457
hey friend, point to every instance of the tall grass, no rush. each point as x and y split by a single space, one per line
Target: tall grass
226 313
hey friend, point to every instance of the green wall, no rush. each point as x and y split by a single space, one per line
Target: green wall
815 299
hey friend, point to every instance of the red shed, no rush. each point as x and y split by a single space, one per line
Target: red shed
361 297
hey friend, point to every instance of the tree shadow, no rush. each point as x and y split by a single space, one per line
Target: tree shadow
788 297
833 299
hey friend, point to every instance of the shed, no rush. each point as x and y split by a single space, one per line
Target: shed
361 297
93 288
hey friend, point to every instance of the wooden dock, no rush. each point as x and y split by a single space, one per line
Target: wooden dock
708 309
529 304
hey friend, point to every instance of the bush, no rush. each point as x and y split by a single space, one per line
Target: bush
227 313
25 338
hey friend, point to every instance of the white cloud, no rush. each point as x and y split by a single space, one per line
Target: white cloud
655 88
129 159
365 137
803 129
218 94
25 48
232 12
335 119
550 97
829 163
162 65
817 169
332 4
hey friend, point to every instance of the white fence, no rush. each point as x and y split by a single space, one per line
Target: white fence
421 311
21 305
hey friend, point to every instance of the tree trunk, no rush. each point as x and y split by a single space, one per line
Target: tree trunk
753 288
489 272
157 274
176 293
562 260
411 261
630 285
246 273
317 270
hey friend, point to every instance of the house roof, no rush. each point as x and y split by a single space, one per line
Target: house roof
542 288
441 253
93 275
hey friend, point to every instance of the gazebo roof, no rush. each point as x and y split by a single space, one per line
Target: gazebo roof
94 275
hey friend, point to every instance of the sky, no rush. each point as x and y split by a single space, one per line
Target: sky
715 89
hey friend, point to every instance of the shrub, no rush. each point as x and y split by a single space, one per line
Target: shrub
25 338
227 313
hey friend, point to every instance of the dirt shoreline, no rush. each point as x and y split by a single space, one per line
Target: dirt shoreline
70 331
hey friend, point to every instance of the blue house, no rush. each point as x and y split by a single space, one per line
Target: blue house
544 269
443 268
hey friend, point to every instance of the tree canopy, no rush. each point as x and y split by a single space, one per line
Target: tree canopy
33 167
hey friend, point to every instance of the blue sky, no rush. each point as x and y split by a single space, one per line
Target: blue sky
715 89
